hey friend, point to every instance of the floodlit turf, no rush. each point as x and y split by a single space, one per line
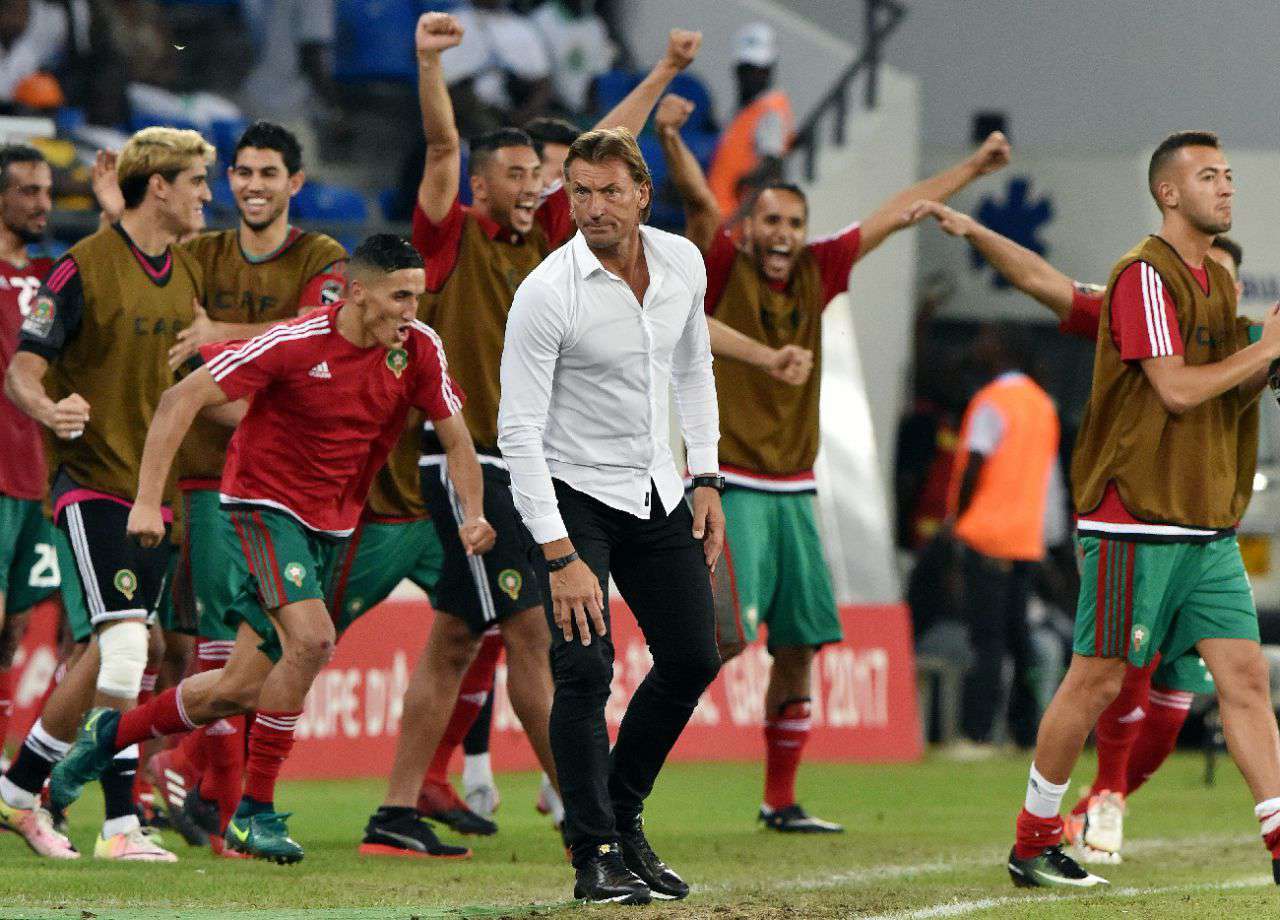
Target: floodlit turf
925 840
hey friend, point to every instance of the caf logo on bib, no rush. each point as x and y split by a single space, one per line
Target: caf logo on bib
1139 638
397 361
510 581
294 572
126 583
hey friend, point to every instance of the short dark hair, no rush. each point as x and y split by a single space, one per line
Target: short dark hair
267 135
1171 145
385 253
486 145
16 153
548 130
780 185
1231 248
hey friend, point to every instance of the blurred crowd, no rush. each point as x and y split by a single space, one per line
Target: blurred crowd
341 74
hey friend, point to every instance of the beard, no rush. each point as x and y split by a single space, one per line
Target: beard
28 236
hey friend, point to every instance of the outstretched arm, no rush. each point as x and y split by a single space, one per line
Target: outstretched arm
890 216
1021 267
633 111
701 211
790 363
442 170
177 408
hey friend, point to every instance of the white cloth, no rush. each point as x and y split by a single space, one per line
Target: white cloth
41 45
586 373
580 50
986 428
495 42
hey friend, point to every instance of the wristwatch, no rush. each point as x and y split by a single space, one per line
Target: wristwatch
710 481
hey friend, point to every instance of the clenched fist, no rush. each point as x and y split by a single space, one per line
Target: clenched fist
436 32
682 47
69 417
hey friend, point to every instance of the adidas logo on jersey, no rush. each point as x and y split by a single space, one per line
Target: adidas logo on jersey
320 371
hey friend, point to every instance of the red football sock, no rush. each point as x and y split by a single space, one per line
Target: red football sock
269 745
785 736
190 755
162 716
1159 735
1114 735
477 683
1268 815
6 704
148 689
224 774
1118 726
1034 834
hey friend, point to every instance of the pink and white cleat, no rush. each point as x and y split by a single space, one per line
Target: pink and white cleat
133 846
35 826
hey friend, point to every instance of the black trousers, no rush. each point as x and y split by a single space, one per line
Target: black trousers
660 570
995 601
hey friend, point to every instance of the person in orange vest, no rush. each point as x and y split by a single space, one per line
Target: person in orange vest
999 488
751 149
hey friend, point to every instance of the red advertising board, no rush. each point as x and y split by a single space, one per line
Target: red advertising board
864 702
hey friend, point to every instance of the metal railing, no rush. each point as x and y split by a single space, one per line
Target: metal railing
882 18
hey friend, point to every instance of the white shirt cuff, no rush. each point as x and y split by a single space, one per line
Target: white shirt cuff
703 461
547 529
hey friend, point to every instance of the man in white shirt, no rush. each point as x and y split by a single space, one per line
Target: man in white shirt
596 335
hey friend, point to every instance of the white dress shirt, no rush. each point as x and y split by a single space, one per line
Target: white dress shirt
585 375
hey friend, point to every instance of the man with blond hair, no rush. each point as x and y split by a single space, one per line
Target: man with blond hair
596 336
91 366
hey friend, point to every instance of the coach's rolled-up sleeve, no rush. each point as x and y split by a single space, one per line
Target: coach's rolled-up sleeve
535 330
695 385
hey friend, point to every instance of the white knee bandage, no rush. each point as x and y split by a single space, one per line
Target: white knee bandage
123 647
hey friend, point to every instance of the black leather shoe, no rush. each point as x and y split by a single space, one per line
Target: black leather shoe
603 878
640 859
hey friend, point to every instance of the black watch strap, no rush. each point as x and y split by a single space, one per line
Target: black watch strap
709 481
555 565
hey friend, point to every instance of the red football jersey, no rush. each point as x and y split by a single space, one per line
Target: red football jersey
22 472
324 414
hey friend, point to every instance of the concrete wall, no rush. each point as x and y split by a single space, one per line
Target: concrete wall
1083 74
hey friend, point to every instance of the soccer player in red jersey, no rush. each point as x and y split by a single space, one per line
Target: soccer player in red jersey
331 394
1139 730
28 566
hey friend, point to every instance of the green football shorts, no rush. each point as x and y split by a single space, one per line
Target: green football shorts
776 572
280 562
1137 599
29 570
377 558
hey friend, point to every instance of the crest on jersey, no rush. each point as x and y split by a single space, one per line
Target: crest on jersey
510 581
1139 637
126 583
39 321
397 360
330 292
295 573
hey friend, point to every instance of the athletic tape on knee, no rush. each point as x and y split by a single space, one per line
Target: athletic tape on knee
123 647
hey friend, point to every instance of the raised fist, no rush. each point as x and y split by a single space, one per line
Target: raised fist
993 154
437 32
673 112
682 47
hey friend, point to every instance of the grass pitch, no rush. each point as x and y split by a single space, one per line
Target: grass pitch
924 841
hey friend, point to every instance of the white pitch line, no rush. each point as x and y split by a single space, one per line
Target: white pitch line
993 859
964 908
